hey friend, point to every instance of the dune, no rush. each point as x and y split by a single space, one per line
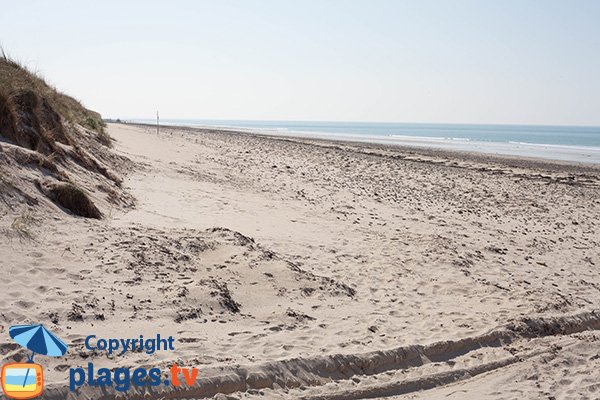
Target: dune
55 153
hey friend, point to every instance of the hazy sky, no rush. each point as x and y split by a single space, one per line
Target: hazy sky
481 61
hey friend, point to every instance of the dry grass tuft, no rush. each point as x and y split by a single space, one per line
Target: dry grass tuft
22 226
73 199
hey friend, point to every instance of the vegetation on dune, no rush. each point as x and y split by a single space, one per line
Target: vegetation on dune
73 199
16 80
54 145
32 115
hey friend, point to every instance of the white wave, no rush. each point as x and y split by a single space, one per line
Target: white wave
410 137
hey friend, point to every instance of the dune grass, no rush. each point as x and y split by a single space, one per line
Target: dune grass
73 199
22 226
15 79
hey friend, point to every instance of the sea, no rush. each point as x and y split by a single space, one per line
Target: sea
567 143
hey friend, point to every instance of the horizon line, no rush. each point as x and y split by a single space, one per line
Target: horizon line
360 121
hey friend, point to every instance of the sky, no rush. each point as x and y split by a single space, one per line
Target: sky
500 62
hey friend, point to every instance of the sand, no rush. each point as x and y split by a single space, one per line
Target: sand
290 268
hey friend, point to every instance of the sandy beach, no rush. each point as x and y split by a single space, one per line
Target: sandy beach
292 268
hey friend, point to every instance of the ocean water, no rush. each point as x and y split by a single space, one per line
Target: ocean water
568 143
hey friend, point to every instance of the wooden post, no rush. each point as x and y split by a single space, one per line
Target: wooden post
157 124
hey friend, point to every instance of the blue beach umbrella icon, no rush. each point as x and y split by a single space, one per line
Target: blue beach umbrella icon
39 340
